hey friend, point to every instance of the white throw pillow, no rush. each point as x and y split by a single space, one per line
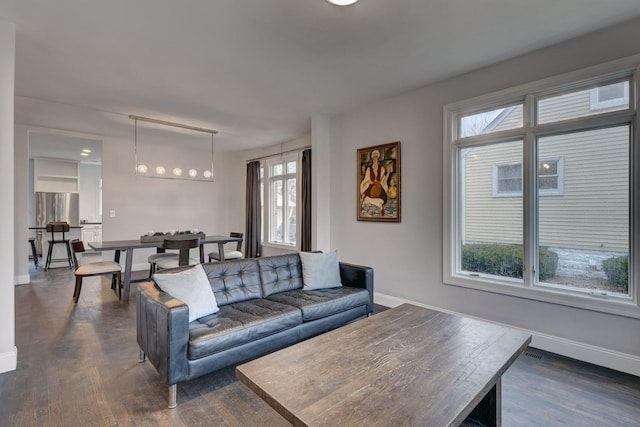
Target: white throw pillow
191 287
319 270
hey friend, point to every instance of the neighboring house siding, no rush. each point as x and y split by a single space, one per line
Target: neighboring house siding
510 121
583 103
490 219
591 211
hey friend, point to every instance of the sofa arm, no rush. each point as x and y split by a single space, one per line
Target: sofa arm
358 276
162 325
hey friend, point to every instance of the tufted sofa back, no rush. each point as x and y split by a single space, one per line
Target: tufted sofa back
234 281
280 273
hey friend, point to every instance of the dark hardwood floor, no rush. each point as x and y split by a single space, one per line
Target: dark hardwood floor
78 366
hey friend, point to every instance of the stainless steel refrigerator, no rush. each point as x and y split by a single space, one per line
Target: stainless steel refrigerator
55 207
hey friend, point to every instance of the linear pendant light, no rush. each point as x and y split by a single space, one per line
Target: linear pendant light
342 2
205 173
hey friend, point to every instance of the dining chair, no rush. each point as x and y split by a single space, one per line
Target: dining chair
53 228
87 269
182 258
229 253
153 259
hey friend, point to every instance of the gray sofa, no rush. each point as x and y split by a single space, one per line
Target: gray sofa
263 308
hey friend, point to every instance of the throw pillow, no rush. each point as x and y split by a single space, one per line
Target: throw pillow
191 287
320 270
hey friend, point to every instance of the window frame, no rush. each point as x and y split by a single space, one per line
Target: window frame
267 196
527 94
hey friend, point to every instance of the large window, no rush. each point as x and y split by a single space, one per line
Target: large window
280 195
540 192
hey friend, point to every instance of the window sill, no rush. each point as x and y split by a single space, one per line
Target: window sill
293 248
602 303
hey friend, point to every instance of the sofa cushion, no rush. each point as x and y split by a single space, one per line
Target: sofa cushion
191 287
234 281
316 304
239 323
280 273
320 270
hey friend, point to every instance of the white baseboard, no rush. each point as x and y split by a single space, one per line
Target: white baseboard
618 361
9 360
21 280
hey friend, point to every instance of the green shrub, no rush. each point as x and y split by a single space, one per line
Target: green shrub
617 270
505 260
548 264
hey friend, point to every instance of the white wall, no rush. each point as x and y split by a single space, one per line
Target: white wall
23 187
8 351
142 204
407 257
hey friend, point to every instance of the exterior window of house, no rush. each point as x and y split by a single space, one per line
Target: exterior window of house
610 96
541 206
507 178
280 195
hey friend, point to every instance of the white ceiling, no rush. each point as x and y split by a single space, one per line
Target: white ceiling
258 70
45 144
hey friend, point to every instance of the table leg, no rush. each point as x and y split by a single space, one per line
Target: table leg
116 258
34 253
127 275
201 253
221 250
489 410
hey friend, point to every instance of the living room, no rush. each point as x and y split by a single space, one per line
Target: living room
407 256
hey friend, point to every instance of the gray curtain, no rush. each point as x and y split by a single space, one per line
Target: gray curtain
305 238
252 247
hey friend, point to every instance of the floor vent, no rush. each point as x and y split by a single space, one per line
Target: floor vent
534 354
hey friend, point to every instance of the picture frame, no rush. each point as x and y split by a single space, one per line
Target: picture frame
379 184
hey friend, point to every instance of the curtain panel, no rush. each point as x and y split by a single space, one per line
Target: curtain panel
252 239
305 238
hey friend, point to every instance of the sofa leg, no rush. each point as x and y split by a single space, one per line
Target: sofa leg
173 391
143 356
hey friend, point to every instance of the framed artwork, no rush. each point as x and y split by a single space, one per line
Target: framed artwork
379 183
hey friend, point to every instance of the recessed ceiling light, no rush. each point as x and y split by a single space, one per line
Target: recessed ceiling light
84 154
86 150
342 2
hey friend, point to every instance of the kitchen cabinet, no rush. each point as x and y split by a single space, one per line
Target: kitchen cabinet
55 176
91 233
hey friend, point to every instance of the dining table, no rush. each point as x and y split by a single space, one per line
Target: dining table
128 246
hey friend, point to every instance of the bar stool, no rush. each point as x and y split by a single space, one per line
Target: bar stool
34 253
53 228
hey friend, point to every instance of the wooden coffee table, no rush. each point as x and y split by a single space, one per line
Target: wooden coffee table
405 366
